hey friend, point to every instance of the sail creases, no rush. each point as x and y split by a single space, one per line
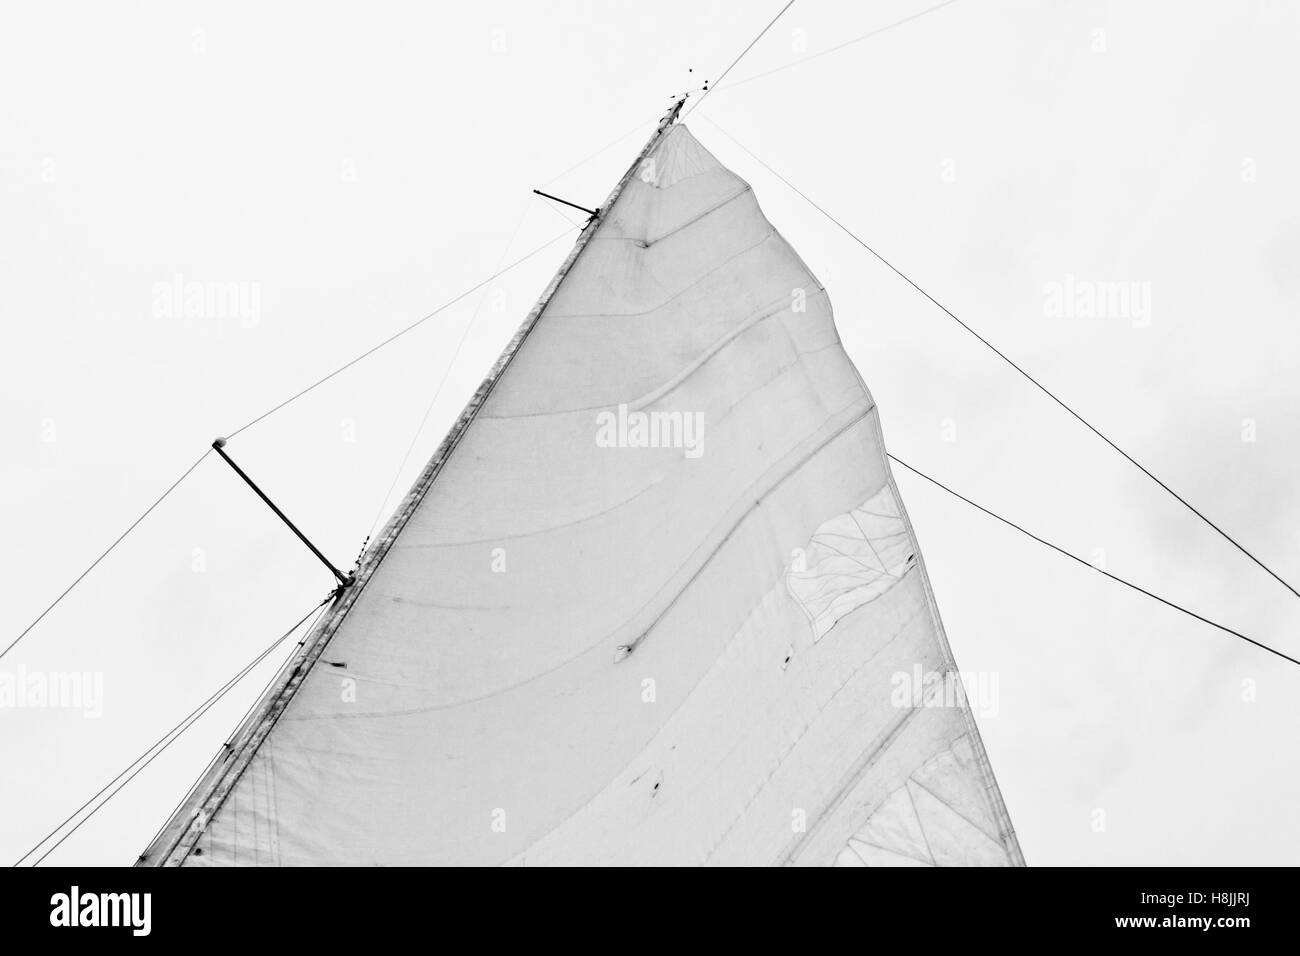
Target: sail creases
649 604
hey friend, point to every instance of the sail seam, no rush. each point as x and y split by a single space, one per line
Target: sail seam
920 609
848 781
690 694
980 827
680 376
560 316
623 626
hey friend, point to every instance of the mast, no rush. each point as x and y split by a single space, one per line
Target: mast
182 832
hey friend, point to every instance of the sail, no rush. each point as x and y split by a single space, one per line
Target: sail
652 602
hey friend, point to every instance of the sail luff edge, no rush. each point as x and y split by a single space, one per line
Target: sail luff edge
187 825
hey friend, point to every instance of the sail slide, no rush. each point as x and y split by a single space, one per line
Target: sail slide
649 604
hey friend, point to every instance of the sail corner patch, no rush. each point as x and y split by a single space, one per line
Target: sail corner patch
852 559
939 817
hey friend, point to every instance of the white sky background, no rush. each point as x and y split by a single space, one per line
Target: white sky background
215 142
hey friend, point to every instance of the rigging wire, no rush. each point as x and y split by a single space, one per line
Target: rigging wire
396 335
223 749
155 750
841 46
1086 564
256 699
131 527
715 83
564 215
1000 354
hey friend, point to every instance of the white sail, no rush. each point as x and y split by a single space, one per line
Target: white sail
649 604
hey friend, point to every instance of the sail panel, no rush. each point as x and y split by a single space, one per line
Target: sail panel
654 607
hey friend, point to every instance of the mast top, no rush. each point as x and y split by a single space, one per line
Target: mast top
671 116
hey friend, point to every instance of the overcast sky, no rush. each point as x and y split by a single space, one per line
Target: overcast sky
350 167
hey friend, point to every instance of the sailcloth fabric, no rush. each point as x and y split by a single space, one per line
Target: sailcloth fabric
656 608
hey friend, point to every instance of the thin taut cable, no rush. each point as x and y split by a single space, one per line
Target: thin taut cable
257 698
714 84
1076 558
396 335
840 46
161 744
998 352
106 552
